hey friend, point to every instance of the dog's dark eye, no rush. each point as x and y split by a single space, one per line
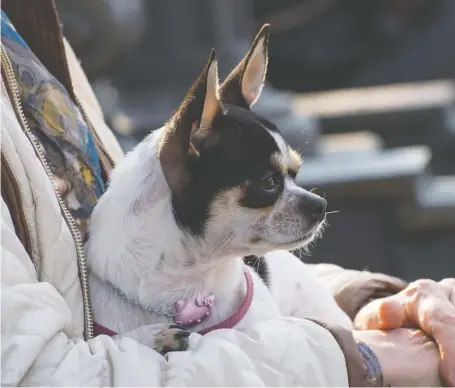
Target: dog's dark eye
270 183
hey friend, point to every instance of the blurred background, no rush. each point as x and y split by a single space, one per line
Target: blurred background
363 88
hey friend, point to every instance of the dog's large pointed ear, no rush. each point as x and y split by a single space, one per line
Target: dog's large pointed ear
212 105
200 107
244 85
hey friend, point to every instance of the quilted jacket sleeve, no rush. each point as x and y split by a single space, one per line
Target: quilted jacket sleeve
36 351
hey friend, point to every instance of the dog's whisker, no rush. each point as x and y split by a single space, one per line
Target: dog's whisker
224 242
332 212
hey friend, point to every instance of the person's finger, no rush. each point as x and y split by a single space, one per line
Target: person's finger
395 311
381 314
445 338
442 326
437 319
447 366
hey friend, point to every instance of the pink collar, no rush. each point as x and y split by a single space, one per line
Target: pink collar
228 323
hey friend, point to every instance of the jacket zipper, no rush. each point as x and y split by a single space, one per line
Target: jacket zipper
82 262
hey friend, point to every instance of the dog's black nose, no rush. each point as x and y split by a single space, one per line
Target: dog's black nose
314 207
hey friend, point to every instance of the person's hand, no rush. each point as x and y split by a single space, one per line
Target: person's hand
426 304
408 358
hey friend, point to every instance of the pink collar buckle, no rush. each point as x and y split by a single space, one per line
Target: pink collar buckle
191 312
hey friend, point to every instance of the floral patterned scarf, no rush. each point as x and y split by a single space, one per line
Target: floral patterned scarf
58 125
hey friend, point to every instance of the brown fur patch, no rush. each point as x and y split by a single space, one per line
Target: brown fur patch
295 160
225 199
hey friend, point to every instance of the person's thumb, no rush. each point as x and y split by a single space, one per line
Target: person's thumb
381 314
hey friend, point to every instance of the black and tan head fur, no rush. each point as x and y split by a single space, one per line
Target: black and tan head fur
229 169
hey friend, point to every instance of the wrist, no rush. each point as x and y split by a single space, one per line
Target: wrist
355 358
375 377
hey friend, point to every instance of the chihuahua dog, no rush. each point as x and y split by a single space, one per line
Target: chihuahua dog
192 204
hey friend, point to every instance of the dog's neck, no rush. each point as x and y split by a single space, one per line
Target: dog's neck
136 245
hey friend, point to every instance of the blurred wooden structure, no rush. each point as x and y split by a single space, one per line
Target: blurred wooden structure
393 185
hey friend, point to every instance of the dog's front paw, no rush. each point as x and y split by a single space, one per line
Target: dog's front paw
171 339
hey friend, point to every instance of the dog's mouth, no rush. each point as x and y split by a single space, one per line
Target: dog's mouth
295 243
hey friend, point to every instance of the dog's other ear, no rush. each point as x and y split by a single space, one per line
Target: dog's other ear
201 105
244 85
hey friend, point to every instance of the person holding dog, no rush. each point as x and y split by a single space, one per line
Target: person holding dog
54 167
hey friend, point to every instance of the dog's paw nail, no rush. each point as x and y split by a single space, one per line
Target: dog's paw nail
198 321
207 313
182 334
190 321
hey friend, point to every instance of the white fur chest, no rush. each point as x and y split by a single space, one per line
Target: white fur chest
117 313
